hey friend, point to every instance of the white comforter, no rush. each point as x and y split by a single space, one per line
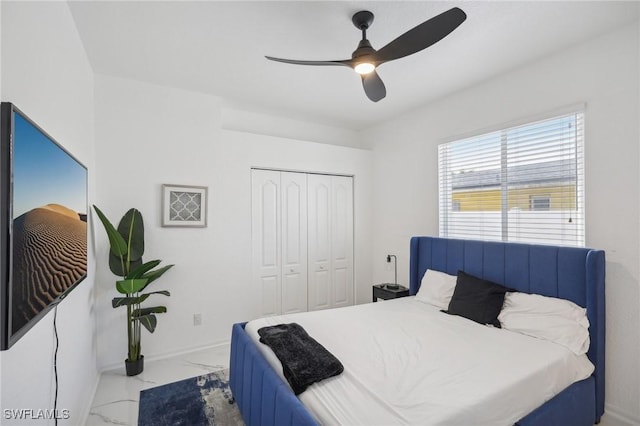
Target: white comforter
407 363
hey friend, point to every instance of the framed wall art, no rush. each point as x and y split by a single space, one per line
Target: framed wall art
184 206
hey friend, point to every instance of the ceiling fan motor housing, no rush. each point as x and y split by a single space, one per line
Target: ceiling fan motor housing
364 48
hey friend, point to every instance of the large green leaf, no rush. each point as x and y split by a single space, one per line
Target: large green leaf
149 322
154 275
131 227
143 269
163 292
116 241
130 286
144 311
119 268
125 301
129 300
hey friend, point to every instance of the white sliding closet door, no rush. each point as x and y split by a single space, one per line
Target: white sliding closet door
265 229
319 188
342 240
279 252
302 241
294 242
330 210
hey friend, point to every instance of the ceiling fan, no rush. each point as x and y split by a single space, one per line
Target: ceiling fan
365 59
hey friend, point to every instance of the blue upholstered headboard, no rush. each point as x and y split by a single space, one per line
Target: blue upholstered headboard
576 274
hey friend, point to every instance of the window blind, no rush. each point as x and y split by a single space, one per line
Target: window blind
523 183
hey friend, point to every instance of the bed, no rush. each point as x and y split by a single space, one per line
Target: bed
575 274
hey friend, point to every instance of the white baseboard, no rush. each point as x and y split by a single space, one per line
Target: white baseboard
188 350
613 416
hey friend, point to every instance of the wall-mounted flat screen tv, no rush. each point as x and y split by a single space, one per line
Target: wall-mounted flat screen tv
43 219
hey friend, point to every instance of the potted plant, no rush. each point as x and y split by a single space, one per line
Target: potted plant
125 260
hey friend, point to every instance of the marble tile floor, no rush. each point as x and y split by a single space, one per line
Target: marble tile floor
116 398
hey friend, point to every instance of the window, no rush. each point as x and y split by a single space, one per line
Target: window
523 183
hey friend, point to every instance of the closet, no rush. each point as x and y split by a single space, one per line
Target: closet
302 240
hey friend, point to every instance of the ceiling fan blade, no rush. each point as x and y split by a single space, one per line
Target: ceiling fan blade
373 86
422 36
345 62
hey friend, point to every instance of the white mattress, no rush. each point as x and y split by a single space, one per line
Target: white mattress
407 363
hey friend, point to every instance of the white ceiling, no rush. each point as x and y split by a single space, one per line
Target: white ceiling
218 47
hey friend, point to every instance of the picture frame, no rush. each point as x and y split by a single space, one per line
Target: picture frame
184 206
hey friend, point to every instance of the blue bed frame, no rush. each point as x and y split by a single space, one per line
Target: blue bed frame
576 274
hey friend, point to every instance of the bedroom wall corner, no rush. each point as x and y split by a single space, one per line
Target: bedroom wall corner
46 73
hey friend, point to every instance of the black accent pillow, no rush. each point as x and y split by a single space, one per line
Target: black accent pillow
477 299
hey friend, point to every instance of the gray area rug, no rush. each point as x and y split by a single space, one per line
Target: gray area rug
204 400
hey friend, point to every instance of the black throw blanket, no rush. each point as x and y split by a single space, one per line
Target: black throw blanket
304 361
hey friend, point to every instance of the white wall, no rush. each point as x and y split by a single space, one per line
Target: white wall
267 124
45 72
147 135
604 73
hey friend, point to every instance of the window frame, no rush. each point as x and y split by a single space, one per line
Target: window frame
576 236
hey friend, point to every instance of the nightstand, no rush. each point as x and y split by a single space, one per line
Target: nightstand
380 291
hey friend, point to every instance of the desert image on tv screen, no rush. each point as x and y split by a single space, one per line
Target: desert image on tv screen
49 236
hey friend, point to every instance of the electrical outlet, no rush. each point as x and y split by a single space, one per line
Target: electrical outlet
197 319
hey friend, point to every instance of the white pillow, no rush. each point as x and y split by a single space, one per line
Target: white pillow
549 318
436 288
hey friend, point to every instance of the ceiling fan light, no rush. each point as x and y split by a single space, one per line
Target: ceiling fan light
364 68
